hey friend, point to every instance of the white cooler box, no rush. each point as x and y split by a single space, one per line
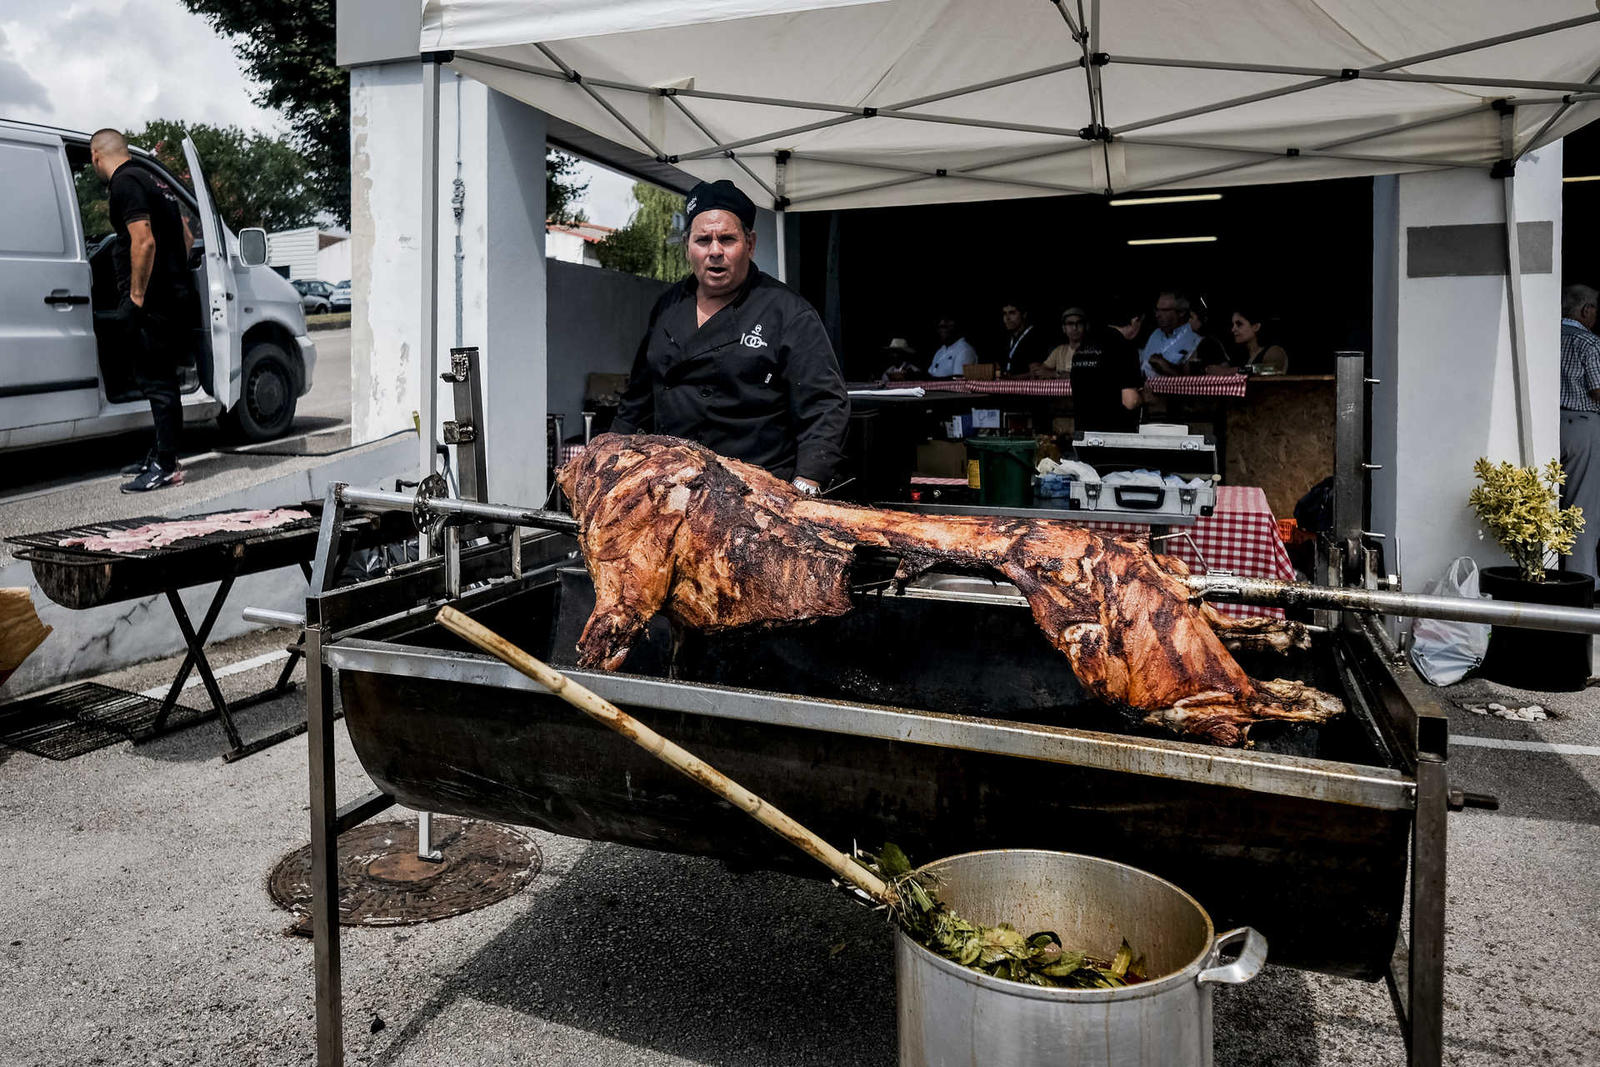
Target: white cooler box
1164 499
1187 454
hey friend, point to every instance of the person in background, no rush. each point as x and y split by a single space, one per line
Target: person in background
954 350
146 215
1580 419
1259 356
1172 342
1106 378
900 358
1074 321
1208 357
1024 346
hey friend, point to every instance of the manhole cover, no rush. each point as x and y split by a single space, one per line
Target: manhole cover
383 883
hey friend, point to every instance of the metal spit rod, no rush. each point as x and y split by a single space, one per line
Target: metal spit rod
1233 588
1270 593
514 516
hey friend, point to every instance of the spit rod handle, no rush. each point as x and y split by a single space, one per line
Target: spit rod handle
273 617
680 759
1238 588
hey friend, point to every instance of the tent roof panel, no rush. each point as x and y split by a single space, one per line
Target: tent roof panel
846 88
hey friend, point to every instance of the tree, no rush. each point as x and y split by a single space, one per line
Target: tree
561 189
287 46
255 180
647 245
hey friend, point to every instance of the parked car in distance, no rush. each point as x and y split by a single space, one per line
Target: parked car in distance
315 296
340 300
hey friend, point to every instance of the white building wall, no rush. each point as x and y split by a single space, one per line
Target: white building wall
295 249
333 262
570 248
1443 354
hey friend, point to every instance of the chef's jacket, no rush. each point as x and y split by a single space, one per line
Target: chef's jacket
758 382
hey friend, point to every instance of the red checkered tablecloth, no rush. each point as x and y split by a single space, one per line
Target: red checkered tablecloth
1176 385
1241 536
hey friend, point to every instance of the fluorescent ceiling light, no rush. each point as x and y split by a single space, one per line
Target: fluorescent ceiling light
1166 199
1580 178
1171 240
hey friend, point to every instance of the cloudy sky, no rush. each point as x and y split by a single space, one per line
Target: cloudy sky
93 63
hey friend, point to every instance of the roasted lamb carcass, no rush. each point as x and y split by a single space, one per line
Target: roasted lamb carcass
671 526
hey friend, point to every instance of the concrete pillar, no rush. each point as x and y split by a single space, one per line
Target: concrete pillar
491 283
385 266
514 286
1442 349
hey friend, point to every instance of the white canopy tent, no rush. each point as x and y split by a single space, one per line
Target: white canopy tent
815 105
918 101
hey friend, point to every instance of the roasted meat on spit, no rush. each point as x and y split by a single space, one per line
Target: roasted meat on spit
668 525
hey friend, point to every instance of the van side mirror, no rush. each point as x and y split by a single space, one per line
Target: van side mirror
253 246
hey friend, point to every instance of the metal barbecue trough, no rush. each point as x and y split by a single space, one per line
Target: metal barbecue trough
941 719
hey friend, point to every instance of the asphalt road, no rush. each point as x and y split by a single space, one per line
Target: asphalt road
67 484
139 929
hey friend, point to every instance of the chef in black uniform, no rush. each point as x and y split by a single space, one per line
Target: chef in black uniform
736 360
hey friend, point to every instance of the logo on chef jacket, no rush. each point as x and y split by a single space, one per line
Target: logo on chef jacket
753 339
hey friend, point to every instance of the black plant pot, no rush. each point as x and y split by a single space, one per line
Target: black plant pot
1538 659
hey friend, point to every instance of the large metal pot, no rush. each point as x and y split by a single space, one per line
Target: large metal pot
952 1015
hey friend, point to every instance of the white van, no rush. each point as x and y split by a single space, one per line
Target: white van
63 379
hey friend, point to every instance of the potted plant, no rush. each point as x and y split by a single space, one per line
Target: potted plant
1521 508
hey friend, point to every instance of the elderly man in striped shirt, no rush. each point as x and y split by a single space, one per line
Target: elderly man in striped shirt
1580 418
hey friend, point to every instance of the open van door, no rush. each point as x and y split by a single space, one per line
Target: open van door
221 293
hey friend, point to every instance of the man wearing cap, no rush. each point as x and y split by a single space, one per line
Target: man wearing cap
735 359
902 358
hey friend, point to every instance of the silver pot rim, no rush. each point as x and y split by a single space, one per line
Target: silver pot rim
1185 976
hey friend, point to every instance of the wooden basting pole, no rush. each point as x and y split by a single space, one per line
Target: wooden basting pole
597 707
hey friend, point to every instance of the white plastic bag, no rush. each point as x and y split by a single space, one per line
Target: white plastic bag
1443 651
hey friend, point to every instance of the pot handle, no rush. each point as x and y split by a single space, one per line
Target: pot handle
1251 958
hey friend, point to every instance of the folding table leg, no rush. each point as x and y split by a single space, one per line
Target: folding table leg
196 657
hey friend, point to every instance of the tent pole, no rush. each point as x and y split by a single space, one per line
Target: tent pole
1394 64
1366 73
1514 317
429 385
783 248
1309 153
1227 168
1553 119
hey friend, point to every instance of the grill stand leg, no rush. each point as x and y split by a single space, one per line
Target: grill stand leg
324 855
324 798
196 660
1424 1017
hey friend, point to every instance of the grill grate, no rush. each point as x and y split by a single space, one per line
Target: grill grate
51 540
82 718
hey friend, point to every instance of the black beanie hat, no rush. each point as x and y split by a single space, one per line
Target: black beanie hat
720 195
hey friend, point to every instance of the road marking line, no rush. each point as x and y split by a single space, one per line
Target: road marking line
1527 746
159 691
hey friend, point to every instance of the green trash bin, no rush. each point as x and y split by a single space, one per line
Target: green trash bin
1005 470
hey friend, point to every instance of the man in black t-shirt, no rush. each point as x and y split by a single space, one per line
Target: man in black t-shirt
1106 379
146 214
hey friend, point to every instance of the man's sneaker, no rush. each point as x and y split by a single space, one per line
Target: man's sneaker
138 468
154 476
